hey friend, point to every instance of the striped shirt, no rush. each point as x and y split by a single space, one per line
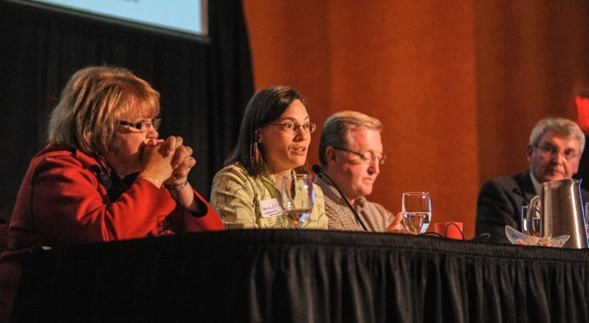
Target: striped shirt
374 216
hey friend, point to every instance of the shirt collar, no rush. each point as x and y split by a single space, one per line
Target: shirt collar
536 184
360 201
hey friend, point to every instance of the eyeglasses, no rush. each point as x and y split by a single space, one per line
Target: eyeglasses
366 157
551 151
294 127
143 126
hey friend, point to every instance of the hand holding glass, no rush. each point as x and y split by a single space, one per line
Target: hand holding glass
417 211
298 198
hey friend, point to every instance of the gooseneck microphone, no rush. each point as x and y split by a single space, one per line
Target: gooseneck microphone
319 171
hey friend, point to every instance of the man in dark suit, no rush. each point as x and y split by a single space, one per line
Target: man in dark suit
554 152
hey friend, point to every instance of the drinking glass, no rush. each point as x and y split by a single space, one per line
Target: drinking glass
586 219
298 198
533 225
417 211
524 220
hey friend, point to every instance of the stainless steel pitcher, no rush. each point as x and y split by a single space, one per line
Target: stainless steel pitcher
558 211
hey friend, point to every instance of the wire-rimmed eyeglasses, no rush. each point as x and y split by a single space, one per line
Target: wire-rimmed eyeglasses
293 127
143 125
551 151
366 157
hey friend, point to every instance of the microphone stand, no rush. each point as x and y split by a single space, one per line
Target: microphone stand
319 171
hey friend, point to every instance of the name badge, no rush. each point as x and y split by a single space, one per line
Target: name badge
270 208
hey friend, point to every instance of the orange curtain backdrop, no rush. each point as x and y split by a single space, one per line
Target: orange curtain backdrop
458 85
532 56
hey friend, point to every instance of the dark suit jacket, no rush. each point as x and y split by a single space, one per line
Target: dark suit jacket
499 205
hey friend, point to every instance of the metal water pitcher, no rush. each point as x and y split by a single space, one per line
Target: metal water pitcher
558 210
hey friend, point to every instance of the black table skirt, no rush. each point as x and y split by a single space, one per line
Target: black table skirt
304 276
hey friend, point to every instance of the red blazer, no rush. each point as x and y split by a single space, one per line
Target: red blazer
62 201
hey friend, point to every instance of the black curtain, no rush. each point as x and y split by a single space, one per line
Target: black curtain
303 276
204 85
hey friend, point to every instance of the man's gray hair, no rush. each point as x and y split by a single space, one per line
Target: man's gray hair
338 125
560 126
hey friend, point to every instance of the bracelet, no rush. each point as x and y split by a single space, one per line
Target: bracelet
177 187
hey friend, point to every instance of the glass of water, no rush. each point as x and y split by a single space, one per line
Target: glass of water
586 219
417 211
298 198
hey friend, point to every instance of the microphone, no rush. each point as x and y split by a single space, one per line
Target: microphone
319 171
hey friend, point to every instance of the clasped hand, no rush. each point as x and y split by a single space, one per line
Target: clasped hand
167 161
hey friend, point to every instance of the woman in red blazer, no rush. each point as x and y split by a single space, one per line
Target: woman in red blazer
105 175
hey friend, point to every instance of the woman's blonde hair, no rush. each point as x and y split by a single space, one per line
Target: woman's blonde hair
92 103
